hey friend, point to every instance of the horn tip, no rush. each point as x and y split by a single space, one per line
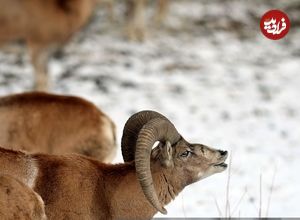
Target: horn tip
163 211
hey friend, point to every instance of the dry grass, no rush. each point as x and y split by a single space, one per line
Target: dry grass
260 195
229 211
182 206
271 192
227 204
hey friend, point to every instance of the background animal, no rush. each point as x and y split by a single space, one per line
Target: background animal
46 25
56 124
43 25
18 201
77 187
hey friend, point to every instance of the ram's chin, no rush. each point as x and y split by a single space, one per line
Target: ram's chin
220 167
212 170
208 173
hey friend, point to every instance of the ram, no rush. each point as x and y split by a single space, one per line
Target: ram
44 25
78 187
18 201
56 124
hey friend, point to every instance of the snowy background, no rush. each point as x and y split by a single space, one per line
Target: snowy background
221 82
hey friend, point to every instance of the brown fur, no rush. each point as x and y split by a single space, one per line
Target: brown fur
43 25
56 124
18 201
78 187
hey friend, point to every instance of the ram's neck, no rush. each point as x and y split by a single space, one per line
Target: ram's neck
127 198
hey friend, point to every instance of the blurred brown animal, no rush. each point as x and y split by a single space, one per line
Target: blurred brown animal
18 201
44 25
78 187
56 124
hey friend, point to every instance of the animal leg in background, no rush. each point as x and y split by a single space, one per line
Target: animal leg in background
39 57
135 13
161 11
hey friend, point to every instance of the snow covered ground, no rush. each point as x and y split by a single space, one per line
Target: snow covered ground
221 82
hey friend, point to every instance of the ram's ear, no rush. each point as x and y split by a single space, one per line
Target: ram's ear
163 152
166 154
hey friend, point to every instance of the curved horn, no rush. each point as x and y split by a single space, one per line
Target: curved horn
131 130
157 129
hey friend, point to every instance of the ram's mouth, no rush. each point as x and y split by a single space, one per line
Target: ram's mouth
222 164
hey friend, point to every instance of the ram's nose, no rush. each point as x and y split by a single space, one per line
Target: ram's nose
223 153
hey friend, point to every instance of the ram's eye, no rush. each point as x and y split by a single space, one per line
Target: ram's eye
185 153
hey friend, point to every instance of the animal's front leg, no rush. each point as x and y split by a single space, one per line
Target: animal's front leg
136 29
161 11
